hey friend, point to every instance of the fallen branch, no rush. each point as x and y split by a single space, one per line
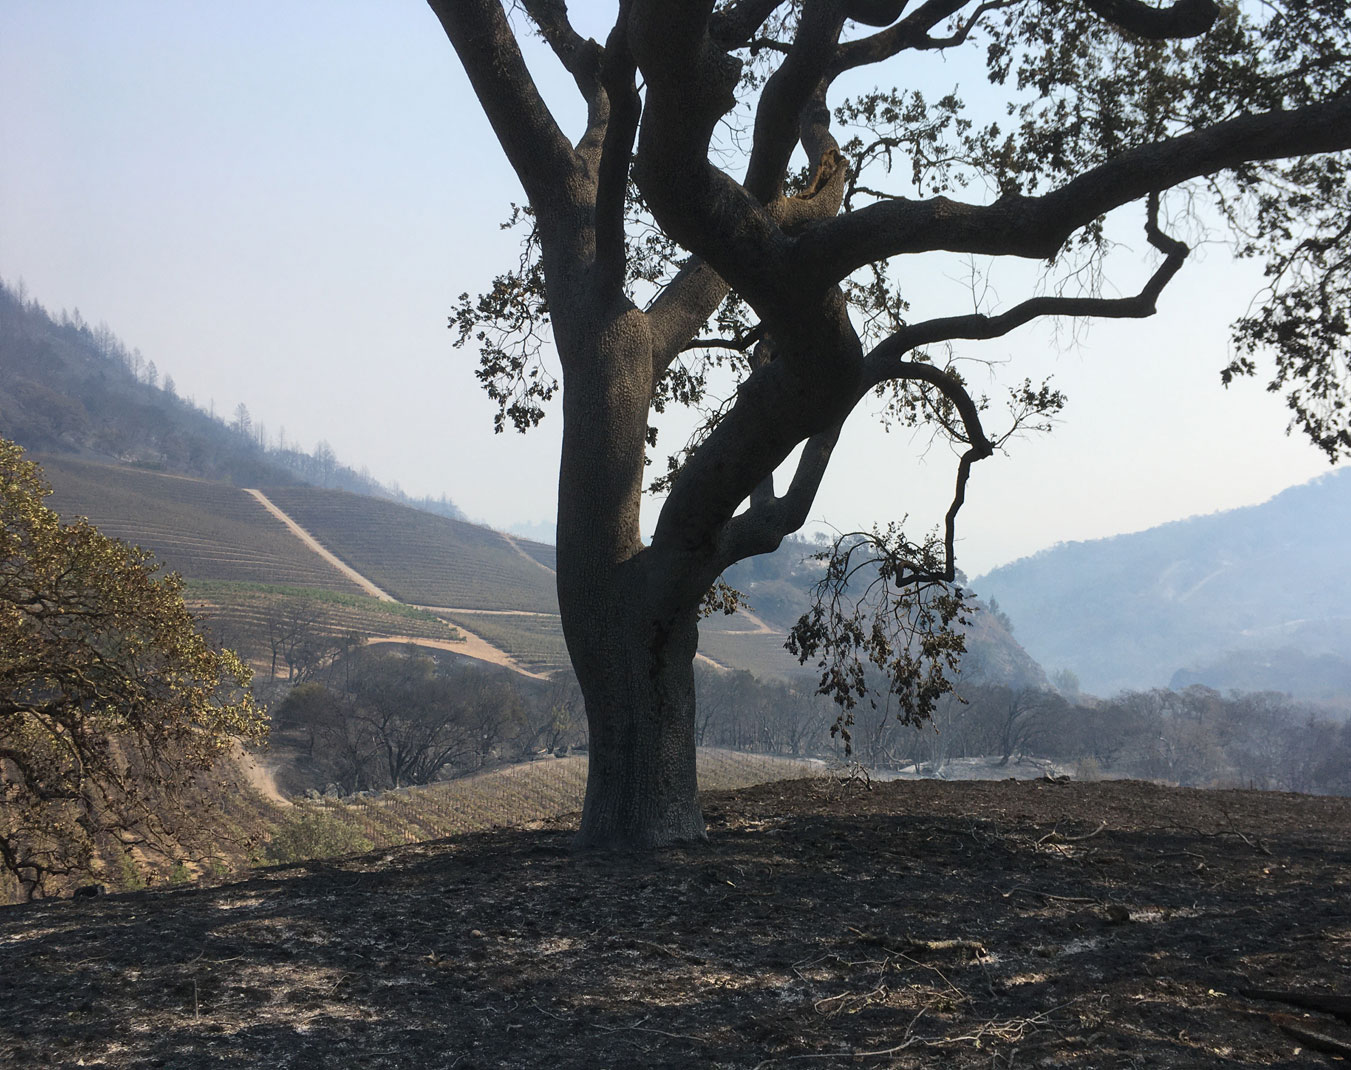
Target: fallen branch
1327 1002
1056 836
1314 1039
974 948
1048 895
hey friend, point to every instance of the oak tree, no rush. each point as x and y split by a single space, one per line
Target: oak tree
111 703
739 203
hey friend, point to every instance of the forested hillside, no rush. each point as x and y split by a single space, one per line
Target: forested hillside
1256 598
71 389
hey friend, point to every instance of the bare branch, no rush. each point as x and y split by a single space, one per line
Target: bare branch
580 56
769 520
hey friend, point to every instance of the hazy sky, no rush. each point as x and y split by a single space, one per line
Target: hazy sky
279 201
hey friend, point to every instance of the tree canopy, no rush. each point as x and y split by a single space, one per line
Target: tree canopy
111 703
738 226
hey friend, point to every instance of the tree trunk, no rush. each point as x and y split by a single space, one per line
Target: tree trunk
637 678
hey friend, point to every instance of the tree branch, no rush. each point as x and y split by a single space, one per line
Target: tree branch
762 527
580 56
1183 18
910 32
735 25
682 307
979 326
617 76
539 153
786 94
1036 227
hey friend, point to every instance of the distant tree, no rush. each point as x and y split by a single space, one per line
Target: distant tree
679 252
242 424
1020 718
151 374
169 387
111 703
326 461
1066 681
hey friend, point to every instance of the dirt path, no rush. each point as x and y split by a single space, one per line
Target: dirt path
262 778
517 547
488 612
473 646
761 628
315 545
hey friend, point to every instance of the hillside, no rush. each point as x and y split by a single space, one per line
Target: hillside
917 924
146 465
495 586
201 529
71 389
1209 597
420 558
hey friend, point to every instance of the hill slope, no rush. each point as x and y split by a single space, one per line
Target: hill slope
73 390
1133 610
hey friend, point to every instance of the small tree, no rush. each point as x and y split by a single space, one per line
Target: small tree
111 703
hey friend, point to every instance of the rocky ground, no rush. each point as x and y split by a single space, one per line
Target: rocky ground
913 924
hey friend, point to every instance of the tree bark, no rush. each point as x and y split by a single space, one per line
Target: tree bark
637 677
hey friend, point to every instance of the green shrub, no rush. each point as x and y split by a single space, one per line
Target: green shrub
313 833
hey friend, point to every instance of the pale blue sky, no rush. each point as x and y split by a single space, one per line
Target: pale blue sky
278 202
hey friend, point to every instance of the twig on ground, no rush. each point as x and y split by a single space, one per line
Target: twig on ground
1048 895
1059 837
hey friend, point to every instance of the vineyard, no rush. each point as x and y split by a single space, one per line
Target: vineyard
515 795
760 652
203 530
536 642
419 557
249 616
248 571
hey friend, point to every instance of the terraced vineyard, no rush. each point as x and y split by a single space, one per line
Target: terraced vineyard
516 795
260 571
542 552
760 652
536 642
244 615
203 530
421 558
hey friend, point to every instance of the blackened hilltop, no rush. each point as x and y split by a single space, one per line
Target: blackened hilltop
1257 598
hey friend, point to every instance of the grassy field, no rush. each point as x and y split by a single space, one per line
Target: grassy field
418 557
516 795
203 530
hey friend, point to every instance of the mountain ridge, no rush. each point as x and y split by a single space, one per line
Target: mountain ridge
1134 610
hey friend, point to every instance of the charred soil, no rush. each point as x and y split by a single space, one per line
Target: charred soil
912 924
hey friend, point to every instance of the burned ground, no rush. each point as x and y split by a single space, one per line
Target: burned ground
922 923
